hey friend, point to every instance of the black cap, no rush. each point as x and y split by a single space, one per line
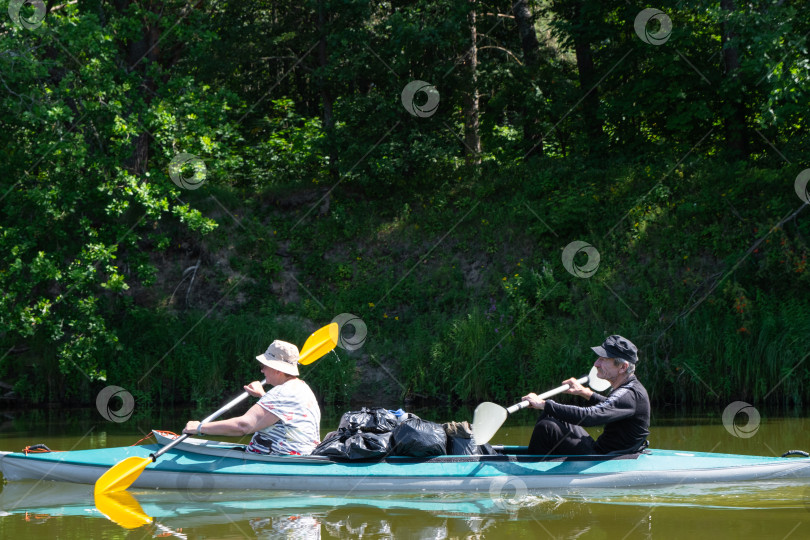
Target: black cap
616 346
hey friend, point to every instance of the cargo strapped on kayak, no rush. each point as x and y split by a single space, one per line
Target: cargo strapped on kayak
502 458
36 449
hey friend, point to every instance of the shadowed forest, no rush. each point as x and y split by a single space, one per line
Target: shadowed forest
479 191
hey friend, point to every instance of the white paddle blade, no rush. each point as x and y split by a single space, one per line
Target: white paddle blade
600 385
487 419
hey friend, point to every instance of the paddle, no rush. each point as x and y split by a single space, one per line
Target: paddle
489 417
123 509
123 474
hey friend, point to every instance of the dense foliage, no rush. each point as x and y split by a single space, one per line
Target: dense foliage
321 186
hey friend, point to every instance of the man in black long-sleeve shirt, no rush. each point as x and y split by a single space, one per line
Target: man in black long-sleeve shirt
625 413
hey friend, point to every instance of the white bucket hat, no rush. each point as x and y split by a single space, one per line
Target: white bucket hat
282 356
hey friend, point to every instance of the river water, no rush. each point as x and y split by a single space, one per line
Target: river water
747 511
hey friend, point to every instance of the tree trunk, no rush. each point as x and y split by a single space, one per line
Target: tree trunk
137 51
528 37
734 123
532 135
326 94
587 76
472 139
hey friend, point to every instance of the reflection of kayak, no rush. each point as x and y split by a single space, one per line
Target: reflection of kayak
197 508
61 499
203 465
272 515
277 512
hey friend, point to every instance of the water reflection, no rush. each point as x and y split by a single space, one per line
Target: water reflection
371 523
26 507
268 515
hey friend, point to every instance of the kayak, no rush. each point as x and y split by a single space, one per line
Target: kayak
201 464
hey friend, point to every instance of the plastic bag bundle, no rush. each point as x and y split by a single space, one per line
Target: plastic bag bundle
357 446
369 420
362 434
418 438
367 445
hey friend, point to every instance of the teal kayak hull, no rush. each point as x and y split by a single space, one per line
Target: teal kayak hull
209 465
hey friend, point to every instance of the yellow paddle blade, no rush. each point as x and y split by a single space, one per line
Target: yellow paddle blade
319 343
121 475
122 508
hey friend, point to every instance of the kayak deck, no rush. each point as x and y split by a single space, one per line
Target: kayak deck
201 464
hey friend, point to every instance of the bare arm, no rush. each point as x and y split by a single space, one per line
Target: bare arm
255 419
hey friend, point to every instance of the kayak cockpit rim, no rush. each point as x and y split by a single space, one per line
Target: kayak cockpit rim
514 454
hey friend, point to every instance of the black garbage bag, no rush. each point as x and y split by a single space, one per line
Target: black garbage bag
367 445
333 445
363 434
459 446
343 444
460 441
418 438
369 420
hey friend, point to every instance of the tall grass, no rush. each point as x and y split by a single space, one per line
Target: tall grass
202 360
706 358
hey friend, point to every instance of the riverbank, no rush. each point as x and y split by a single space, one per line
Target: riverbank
465 292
